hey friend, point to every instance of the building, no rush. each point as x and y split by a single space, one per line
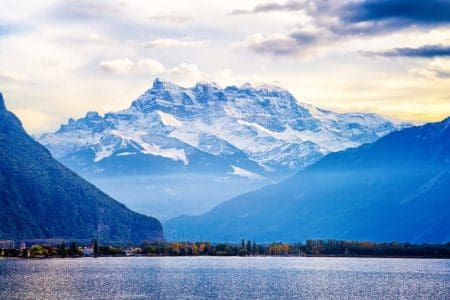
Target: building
7 244
88 251
23 246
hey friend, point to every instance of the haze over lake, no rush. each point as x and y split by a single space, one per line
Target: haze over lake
204 277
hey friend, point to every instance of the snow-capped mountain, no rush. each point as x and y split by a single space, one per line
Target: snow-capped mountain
252 132
264 124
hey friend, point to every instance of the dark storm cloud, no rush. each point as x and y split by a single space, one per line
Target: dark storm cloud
413 12
427 51
339 19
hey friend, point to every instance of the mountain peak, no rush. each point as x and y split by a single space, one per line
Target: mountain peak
159 84
92 115
245 86
207 85
262 86
2 103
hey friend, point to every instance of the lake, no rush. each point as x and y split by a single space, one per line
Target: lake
225 277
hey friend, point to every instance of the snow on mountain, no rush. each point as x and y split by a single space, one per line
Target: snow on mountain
244 173
264 123
179 150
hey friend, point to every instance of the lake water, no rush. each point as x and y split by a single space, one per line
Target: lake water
225 277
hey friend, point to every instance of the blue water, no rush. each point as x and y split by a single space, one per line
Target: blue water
225 277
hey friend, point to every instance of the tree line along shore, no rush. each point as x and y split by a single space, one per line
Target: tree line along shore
244 248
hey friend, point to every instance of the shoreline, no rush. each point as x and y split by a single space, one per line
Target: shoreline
225 256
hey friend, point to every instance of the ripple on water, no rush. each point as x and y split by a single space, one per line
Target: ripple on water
225 277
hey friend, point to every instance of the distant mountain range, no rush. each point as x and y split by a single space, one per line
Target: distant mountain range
40 198
183 150
396 189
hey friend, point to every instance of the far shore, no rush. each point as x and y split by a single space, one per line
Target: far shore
246 248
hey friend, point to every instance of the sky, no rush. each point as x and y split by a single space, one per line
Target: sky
61 59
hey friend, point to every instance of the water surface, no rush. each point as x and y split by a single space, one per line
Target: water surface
225 277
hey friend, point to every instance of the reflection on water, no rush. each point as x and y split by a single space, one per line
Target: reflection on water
225 277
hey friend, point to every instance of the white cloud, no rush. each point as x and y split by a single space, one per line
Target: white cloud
118 66
11 76
151 66
125 66
185 69
174 43
437 69
171 18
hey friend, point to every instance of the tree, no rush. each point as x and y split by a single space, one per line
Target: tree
62 251
38 250
73 250
249 247
194 249
254 250
95 246
242 244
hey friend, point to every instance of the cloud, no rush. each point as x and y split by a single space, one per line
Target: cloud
427 51
437 69
185 69
403 11
150 66
127 66
88 9
329 22
368 17
174 43
295 43
11 76
171 18
118 66
270 7
275 44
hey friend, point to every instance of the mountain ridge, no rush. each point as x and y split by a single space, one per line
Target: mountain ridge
395 189
240 137
40 198
164 102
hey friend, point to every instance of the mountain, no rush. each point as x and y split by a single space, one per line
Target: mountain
40 198
396 189
210 143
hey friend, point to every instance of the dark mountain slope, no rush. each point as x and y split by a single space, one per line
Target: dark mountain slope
40 198
397 188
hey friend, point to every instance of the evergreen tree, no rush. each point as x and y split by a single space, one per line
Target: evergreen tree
254 250
62 249
242 244
73 250
95 246
249 247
